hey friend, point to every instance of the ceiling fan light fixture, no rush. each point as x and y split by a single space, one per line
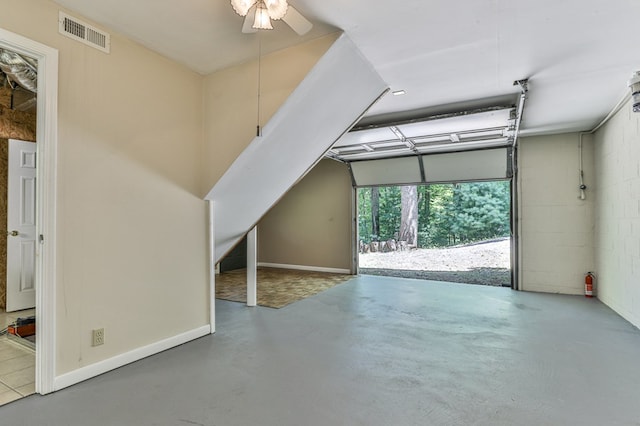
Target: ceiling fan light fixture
262 20
241 7
258 15
277 8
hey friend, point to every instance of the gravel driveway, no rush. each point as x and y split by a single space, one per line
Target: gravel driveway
486 263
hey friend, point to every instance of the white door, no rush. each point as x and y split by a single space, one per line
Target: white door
21 226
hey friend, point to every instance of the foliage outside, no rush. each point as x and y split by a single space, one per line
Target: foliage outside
448 214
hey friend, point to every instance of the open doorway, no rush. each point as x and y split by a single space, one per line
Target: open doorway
18 118
452 232
45 59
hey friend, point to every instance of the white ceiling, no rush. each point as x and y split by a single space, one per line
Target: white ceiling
578 54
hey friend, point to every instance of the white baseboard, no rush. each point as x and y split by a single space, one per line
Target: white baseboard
93 370
304 268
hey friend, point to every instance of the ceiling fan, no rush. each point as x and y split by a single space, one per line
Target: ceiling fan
259 13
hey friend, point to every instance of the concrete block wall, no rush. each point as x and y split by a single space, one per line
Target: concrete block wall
556 233
617 213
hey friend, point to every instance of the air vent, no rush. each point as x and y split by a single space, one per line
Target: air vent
85 33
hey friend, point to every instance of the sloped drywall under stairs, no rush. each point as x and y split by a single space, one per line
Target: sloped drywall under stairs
332 97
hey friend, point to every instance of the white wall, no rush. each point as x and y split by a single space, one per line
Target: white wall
131 253
556 226
617 151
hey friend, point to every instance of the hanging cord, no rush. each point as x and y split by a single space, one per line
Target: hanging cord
258 130
582 186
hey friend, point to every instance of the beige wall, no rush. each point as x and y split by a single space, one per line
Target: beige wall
311 225
556 226
131 223
231 101
617 153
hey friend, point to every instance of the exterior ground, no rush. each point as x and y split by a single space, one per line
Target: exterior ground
485 263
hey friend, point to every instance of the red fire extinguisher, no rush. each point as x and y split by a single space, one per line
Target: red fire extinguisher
588 284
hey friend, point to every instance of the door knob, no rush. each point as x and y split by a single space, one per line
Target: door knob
13 233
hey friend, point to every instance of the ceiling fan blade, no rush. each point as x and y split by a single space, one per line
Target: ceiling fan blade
296 21
247 25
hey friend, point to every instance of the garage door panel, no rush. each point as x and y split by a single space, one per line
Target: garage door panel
487 164
467 166
388 171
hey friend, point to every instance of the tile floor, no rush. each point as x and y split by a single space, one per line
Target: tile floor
17 362
276 287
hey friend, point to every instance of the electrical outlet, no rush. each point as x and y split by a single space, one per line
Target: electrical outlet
97 337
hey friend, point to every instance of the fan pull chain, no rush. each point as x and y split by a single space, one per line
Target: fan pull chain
258 130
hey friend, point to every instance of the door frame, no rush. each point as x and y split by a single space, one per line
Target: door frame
46 179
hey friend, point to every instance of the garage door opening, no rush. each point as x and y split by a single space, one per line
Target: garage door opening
445 155
452 232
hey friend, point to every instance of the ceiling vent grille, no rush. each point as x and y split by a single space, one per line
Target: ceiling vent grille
83 32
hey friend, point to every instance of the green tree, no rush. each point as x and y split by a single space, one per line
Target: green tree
446 214
436 227
364 214
480 211
390 212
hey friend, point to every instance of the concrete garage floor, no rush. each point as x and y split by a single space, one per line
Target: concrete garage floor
377 351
